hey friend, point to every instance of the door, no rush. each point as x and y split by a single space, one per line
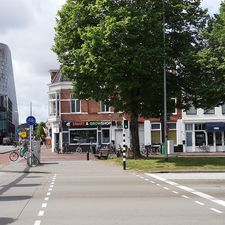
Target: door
218 137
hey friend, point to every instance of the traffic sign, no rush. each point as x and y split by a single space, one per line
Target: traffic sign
23 134
31 120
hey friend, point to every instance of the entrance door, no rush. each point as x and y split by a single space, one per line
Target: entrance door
218 141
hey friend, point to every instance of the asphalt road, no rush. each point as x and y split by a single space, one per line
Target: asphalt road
97 193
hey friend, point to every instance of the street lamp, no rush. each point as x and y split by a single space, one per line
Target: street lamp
164 84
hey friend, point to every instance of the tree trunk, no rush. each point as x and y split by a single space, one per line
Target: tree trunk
135 135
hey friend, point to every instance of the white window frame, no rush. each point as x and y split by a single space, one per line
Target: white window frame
74 101
104 108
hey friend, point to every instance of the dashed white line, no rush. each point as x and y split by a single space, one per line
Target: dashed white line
46 198
200 203
166 188
175 192
184 196
153 182
41 213
198 193
216 210
146 179
37 222
159 185
51 186
50 189
48 193
44 205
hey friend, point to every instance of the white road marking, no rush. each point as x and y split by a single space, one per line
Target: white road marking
47 198
141 177
198 193
216 210
51 186
200 203
175 192
146 179
153 182
159 185
48 193
52 183
41 213
44 205
50 189
37 222
184 196
166 188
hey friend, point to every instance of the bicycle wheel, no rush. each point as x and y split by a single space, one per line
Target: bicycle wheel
32 160
13 156
26 154
79 149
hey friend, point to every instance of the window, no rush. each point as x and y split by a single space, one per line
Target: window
188 127
156 126
75 105
104 107
191 111
53 104
83 136
209 111
105 136
199 138
172 126
172 110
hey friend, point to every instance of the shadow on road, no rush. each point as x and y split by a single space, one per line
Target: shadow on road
14 198
6 220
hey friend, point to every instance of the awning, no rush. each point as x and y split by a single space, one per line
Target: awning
220 126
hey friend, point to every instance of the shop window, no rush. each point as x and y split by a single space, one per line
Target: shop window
75 105
83 136
156 137
210 138
105 136
172 135
200 138
218 139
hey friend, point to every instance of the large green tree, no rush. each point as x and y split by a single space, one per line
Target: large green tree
114 51
211 63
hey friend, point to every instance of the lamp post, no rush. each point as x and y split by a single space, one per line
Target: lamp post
164 84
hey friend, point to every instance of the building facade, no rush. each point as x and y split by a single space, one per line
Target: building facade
8 102
204 130
85 122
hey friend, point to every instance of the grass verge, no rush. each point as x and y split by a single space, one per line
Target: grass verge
174 164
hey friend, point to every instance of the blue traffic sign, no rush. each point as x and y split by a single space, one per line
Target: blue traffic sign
31 120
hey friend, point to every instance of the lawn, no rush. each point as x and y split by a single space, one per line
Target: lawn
174 164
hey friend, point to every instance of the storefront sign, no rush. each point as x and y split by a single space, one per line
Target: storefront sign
99 123
89 123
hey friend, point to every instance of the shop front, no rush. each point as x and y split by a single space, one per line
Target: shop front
86 134
205 137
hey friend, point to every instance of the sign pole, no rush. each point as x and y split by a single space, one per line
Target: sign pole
31 131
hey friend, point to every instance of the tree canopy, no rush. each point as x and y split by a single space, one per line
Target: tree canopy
113 50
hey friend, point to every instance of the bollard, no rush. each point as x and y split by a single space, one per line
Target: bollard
124 152
88 155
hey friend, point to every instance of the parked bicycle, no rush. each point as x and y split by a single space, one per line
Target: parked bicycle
32 159
20 152
79 149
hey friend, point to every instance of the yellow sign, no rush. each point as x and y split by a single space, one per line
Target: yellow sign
23 134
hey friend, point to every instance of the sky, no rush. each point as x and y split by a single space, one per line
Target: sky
27 27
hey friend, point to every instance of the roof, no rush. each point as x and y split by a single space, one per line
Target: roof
59 77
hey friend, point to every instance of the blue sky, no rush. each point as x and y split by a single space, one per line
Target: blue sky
27 27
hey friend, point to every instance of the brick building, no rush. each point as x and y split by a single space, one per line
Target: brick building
85 122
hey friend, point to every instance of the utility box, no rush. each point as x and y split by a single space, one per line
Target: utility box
36 148
170 146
